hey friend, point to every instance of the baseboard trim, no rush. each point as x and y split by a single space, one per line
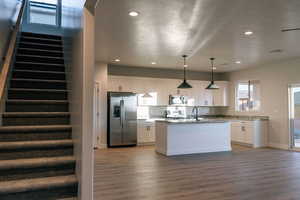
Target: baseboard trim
146 144
102 146
279 146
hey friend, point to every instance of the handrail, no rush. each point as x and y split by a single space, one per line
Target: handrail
10 53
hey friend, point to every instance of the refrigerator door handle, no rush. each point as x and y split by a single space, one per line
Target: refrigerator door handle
121 113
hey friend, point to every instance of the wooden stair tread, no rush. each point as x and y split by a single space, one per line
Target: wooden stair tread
38 90
37 71
39 56
36 114
15 101
36 144
39 63
35 128
38 80
42 39
25 185
36 162
44 50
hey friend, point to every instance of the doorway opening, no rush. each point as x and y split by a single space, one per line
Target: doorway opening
294 115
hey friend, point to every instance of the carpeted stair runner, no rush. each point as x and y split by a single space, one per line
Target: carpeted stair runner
36 146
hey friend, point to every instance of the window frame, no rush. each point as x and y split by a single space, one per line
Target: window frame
248 108
57 15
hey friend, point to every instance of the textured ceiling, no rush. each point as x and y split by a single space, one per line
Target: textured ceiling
166 29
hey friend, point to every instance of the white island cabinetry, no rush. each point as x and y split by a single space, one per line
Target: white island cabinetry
178 137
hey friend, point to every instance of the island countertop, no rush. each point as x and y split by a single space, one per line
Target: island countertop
191 121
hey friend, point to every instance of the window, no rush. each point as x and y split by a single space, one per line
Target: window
43 12
248 96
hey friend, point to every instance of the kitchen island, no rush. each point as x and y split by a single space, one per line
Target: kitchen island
178 137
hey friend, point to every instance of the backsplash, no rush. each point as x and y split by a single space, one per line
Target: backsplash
160 111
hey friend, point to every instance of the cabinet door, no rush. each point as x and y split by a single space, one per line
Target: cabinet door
152 134
234 133
248 135
220 95
206 95
140 134
237 134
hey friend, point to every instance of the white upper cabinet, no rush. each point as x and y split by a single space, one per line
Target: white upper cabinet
220 96
198 95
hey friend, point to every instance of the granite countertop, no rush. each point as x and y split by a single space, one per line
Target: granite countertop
209 119
191 121
237 117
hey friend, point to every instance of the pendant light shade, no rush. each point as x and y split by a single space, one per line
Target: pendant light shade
147 95
212 85
184 84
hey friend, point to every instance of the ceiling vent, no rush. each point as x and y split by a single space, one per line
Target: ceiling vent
290 29
276 51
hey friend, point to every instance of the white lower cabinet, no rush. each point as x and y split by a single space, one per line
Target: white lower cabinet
146 132
254 133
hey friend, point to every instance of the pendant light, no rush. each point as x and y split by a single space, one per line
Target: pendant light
147 95
212 85
184 84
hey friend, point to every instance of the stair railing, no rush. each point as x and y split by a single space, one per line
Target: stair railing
9 58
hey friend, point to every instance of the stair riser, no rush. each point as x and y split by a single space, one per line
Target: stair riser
37 95
21 58
40 53
55 37
18 121
35 153
11 137
38 85
40 46
38 75
37 107
37 40
50 194
40 172
39 67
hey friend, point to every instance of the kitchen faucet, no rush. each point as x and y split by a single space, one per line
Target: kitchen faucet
195 108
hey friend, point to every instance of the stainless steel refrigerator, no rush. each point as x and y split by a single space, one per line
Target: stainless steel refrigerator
122 119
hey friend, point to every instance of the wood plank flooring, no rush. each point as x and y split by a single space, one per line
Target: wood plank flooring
244 174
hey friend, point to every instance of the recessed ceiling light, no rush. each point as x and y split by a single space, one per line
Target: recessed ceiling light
153 63
248 32
238 62
133 13
117 60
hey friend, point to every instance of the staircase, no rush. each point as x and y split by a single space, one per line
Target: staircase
36 147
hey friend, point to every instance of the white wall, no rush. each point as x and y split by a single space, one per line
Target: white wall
101 78
78 34
8 16
274 79
87 172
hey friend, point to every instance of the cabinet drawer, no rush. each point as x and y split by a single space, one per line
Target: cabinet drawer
247 123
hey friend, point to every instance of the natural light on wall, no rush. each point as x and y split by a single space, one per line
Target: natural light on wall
247 96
